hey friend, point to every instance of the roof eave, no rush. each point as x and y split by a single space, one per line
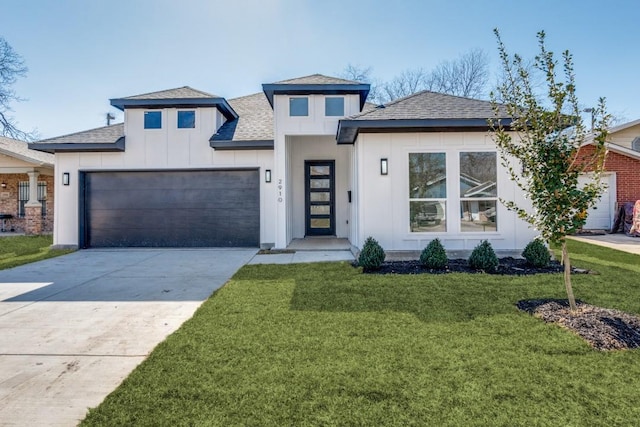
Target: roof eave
220 103
271 89
82 147
348 130
226 145
27 159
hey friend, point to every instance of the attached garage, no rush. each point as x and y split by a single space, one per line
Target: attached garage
170 208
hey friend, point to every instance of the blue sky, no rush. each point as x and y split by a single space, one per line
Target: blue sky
81 53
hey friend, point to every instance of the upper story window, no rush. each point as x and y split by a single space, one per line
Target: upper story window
635 144
298 107
186 119
152 119
334 106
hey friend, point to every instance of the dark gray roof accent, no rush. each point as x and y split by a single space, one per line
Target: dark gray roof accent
421 112
107 138
254 125
316 84
182 97
20 150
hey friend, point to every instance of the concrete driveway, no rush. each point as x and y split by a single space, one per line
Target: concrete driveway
73 327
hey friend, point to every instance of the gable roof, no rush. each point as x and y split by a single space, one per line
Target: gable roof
182 97
316 84
106 138
424 111
615 147
20 150
253 129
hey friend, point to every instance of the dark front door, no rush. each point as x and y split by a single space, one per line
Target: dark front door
319 197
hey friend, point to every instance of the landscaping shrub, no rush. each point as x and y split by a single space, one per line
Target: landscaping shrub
536 253
434 255
483 257
372 254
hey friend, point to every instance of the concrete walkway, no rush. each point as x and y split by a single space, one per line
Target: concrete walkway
619 241
302 256
73 327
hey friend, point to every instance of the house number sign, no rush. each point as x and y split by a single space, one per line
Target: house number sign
279 190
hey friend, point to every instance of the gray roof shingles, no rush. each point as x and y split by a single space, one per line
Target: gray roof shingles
255 121
20 149
184 92
103 135
317 79
428 105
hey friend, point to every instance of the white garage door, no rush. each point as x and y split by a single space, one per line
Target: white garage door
600 217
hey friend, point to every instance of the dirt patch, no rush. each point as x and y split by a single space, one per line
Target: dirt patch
508 266
602 328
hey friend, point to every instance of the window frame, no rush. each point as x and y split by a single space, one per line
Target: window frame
23 197
192 121
441 201
147 124
292 109
327 106
481 199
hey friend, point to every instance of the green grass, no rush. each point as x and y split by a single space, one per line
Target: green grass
18 250
322 345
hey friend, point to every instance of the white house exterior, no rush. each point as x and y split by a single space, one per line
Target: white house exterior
306 157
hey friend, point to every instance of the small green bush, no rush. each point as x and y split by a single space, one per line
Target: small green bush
483 257
372 254
434 255
536 253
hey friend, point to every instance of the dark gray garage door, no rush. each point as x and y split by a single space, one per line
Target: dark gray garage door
170 209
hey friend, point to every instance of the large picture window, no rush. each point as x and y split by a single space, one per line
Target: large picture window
478 192
427 192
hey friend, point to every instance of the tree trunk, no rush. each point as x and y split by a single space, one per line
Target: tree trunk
567 276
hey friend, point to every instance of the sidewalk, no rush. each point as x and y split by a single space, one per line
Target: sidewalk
302 256
619 241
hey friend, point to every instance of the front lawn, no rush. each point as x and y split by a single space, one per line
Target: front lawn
321 344
18 250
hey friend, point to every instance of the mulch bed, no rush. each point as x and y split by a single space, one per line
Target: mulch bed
507 266
602 328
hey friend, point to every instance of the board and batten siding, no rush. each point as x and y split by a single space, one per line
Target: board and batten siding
383 200
153 149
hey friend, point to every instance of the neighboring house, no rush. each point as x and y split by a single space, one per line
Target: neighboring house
622 175
26 188
306 157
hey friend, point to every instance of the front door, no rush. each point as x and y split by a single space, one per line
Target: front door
319 197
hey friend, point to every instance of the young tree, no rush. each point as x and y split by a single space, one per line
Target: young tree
11 67
544 157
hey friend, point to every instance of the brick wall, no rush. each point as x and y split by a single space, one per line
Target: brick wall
9 201
627 175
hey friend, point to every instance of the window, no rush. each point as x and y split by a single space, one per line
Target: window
186 119
334 106
152 119
478 192
23 197
635 144
298 107
427 192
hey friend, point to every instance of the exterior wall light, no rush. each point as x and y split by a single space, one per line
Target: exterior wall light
3 185
267 175
384 167
65 178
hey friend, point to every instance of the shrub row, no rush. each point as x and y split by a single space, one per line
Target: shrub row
434 256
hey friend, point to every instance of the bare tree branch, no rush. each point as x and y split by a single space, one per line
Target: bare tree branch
11 68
